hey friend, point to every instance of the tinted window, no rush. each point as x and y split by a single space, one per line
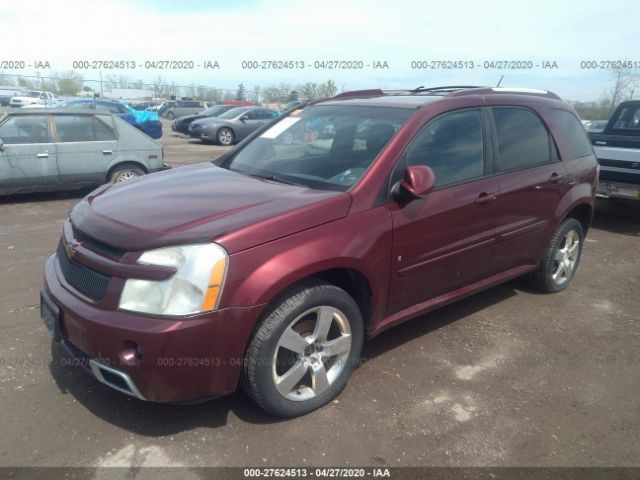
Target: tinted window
452 145
252 115
81 128
628 119
573 132
523 141
25 129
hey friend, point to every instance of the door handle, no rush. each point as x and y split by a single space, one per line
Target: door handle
107 152
555 177
42 155
485 198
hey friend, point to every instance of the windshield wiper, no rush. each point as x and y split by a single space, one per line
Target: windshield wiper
274 178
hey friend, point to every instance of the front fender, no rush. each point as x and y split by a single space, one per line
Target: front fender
359 242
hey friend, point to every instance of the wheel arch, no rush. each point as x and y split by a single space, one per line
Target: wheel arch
131 163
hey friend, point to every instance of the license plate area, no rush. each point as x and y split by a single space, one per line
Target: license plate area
50 314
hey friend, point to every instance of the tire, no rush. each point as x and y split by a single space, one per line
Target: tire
287 383
560 261
125 172
170 116
225 136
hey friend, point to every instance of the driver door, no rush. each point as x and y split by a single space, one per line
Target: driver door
28 160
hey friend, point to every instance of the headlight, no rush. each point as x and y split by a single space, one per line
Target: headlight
194 288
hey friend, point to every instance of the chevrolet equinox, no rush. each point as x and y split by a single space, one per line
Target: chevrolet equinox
269 266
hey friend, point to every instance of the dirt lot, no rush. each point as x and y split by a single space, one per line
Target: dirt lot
507 377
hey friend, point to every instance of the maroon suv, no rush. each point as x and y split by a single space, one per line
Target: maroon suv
344 218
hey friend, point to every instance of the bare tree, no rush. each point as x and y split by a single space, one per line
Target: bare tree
624 83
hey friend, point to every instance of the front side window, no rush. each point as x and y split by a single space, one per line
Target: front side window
452 145
321 146
23 129
523 140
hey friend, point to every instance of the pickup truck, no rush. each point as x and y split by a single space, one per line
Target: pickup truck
617 148
33 97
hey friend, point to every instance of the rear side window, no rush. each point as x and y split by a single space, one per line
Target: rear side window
523 140
81 128
452 145
573 132
23 129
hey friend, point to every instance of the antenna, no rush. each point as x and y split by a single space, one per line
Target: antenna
500 81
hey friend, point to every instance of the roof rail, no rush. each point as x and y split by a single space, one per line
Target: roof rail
507 90
446 88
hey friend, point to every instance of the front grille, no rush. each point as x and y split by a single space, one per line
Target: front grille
85 280
97 246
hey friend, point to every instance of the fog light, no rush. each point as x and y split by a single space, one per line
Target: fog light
131 353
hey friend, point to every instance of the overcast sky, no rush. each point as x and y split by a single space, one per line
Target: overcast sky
393 31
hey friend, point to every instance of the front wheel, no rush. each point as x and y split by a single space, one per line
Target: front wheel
225 136
561 258
304 351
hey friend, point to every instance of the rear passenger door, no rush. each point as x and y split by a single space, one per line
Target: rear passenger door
28 158
532 183
443 241
86 147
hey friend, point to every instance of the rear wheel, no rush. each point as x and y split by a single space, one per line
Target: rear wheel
561 259
124 173
225 136
304 351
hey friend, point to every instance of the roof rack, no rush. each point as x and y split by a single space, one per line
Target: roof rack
506 90
359 93
446 88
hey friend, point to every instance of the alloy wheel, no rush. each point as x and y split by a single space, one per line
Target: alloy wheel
566 257
311 353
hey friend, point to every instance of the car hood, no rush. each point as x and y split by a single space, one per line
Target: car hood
186 118
202 203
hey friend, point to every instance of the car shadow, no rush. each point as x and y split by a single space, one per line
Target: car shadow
44 196
153 419
617 216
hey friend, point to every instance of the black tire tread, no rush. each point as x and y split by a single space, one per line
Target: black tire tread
272 318
540 278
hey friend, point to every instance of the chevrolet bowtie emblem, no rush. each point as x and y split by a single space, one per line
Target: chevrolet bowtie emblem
70 248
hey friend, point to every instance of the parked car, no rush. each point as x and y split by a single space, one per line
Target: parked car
7 93
59 149
184 107
33 97
231 126
146 122
270 265
618 150
181 124
595 126
164 106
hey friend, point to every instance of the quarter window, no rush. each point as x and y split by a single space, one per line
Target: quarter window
523 141
452 145
573 132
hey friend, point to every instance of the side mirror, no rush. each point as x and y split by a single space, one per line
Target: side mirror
243 118
1 145
418 181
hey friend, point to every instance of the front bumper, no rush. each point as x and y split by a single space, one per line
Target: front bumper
156 359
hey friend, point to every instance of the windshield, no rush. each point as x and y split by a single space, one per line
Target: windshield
322 146
212 110
233 113
33 94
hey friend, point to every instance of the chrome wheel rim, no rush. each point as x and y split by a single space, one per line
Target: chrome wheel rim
125 175
311 353
225 137
566 258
